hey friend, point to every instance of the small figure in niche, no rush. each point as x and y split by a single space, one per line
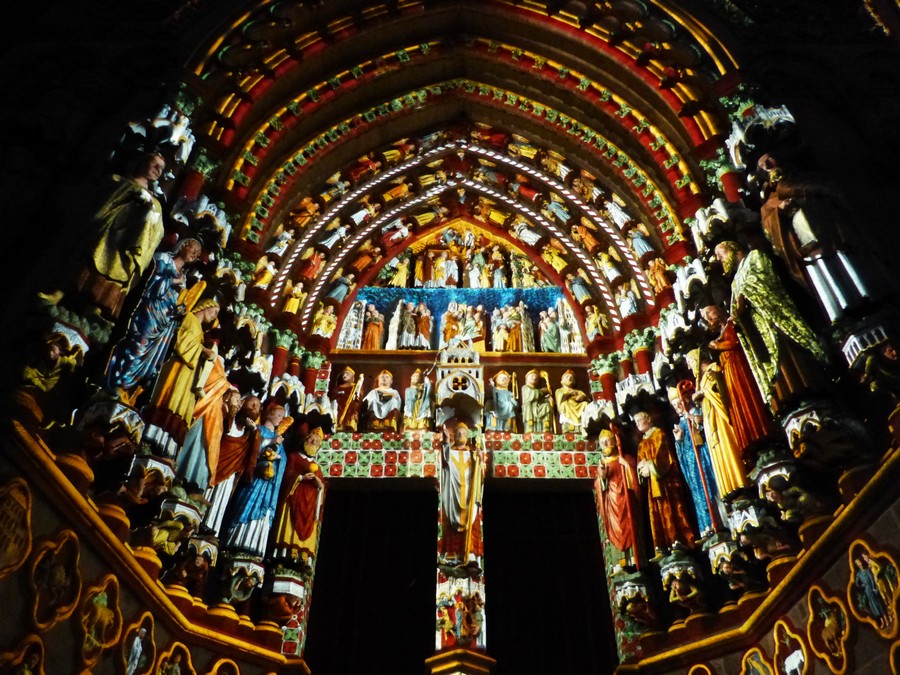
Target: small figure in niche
382 405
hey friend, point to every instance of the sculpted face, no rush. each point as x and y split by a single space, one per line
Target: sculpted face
502 380
385 379
312 443
531 379
607 444
191 251
713 316
275 416
250 407
461 434
153 167
727 257
643 422
415 378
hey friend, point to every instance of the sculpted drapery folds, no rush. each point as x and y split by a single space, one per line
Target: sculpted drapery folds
536 404
570 403
130 228
777 341
724 449
255 500
301 500
617 492
462 479
138 356
373 328
658 468
689 446
807 225
347 397
418 406
213 413
501 411
181 378
749 416
382 405
238 454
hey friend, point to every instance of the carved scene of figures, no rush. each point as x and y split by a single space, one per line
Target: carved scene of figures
429 319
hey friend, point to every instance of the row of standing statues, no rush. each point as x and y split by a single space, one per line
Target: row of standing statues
534 408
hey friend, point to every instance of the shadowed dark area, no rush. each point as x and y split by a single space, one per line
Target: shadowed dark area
547 604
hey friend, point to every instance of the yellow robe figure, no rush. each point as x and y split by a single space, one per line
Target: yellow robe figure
131 227
724 449
553 257
177 381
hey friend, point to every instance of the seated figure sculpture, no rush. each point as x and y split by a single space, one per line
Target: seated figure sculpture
382 405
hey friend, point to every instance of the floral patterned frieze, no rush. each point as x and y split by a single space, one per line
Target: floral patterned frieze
416 454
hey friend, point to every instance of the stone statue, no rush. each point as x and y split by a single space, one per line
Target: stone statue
784 353
501 408
130 227
658 468
537 404
418 407
381 406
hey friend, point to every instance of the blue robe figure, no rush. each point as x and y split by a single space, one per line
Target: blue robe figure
639 243
501 415
138 356
253 508
341 288
579 288
687 460
870 598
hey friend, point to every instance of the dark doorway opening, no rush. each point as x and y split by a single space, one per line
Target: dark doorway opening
373 606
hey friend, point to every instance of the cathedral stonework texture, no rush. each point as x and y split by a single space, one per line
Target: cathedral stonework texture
628 261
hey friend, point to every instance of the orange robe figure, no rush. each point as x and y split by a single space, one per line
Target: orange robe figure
374 328
669 521
749 415
616 496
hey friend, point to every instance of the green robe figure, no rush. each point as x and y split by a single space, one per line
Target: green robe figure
784 353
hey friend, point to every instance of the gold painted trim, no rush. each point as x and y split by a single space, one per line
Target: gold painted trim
52 546
216 668
9 660
17 491
187 667
34 459
789 632
92 647
853 551
762 661
826 655
145 620
811 564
